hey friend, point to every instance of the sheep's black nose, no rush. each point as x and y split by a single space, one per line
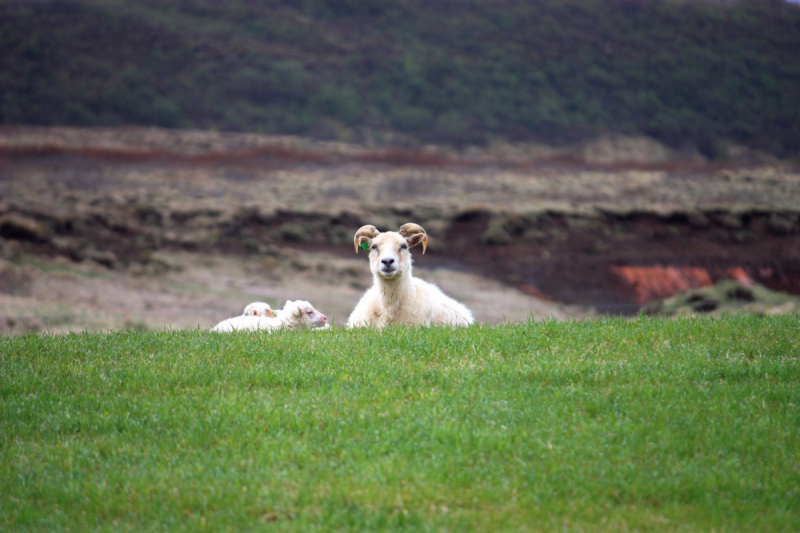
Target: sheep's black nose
388 261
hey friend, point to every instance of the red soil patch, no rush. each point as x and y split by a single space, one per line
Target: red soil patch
661 282
656 282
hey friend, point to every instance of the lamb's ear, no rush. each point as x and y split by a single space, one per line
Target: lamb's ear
414 235
271 313
364 235
299 311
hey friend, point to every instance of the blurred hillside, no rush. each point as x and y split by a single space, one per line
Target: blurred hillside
694 75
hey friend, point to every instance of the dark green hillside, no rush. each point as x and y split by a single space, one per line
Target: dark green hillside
461 71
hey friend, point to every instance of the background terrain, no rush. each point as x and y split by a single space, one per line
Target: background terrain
165 163
154 228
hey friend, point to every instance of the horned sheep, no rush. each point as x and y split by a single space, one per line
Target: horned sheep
396 296
294 315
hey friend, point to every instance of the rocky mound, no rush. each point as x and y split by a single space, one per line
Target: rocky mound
727 296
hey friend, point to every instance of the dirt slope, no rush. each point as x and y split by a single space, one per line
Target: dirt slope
560 225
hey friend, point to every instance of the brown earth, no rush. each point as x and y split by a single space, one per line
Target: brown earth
606 225
191 290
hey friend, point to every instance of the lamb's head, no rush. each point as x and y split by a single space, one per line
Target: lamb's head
389 256
259 309
302 315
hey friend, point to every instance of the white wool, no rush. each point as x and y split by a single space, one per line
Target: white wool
396 296
258 309
300 315
244 323
294 315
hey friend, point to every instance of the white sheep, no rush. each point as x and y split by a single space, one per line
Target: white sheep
252 310
396 296
244 323
300 315
294 315
258 309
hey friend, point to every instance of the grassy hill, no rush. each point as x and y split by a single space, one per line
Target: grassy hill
691 74
609 425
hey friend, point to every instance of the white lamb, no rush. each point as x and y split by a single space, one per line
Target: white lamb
396 296
244 323
294 315
258 309
252 310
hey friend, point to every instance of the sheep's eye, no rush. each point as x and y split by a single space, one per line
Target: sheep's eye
404 247
310 312
374 247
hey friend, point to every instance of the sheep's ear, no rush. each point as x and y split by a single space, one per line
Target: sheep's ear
271 313
364 235
299 311
414 235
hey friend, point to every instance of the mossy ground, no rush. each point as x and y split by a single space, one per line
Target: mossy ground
727 296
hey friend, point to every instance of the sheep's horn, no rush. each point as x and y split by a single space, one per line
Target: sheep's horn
364 234
409 230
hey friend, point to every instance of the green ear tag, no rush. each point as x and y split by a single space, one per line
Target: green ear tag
364 245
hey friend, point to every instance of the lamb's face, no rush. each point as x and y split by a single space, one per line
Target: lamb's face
389 257
259 309
304 314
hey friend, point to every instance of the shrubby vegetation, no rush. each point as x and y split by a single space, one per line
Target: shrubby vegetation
686 73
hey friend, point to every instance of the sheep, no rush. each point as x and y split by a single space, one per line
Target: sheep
396 296
259 309
300 315
294 315
245 321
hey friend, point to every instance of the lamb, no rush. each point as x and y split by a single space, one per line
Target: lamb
396 296
255 309
258 309
300 315
294 315
244 323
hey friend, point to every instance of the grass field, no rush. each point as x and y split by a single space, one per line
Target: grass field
604 425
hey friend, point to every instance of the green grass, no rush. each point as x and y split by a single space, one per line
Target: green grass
605 425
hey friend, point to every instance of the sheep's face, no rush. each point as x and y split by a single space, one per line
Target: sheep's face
259 309
304 314
389 257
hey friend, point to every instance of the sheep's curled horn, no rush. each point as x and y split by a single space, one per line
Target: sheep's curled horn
413 233
410 230
364 234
